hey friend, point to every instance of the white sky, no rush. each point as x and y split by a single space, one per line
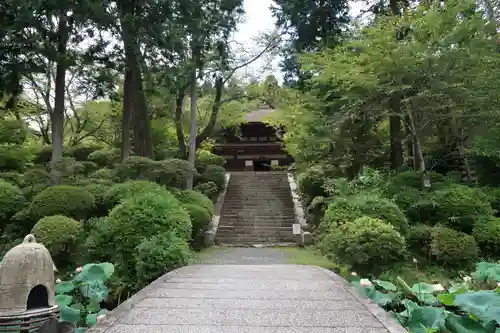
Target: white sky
259 19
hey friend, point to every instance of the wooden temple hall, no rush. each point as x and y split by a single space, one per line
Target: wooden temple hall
254 145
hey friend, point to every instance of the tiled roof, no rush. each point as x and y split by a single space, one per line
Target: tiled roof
259 115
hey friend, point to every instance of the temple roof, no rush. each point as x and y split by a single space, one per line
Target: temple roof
259 115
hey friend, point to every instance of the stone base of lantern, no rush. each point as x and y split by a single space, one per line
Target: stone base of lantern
27 321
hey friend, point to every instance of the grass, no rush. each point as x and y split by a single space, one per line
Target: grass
308 256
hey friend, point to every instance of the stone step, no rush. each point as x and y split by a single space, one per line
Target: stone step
254 240
256 219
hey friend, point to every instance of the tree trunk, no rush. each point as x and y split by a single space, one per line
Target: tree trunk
57 120
396 156
409 145
128 105
207 131
192 129
179 111
142 138
418 155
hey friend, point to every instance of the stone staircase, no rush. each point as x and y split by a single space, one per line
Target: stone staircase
258 209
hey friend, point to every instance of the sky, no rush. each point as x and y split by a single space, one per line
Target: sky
258 18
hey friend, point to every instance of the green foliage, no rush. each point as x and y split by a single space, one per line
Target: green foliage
61 235
71 201
12 131
81 153
144 216
461 308
486 232
159 254
170 173
200 218
195 198
311 182
11 200
367 244
103 173
79 299
411 179
98 191
345 210
99 242
14 158
205 158
453 248
134 167
34 181
419 239
454 205
14 178
208 189
119 192
106 157
214 173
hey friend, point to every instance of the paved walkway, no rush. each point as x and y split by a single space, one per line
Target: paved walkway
271 298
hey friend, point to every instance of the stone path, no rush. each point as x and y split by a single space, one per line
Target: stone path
245 256
251 298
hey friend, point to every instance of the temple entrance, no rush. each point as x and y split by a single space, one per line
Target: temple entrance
262 165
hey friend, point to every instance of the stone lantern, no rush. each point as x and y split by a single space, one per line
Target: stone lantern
27 296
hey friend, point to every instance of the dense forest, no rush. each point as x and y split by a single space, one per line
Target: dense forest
109 111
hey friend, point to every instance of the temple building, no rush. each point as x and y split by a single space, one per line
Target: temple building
254 145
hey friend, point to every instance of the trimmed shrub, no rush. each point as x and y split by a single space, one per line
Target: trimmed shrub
367 244
145 216
13 131
11 200
311 183
98 191
195 198
119 192
99 243
14 158
453 248
70 201
14 178
455 205
159 254
200 218
61 235
106 157
205 158
104 173
135 167
486 232
23 221
419 239
345 210
208 189
82 153
171 173
412 179
214 173
407 197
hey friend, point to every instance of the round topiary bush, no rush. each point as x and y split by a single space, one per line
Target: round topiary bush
67 200
486 232
419 239
98 191
159 254
119 192
412 179
345 210
104 173
61 235
209 189
195 198
200 218
106 157
205 158
135 167
172 172
214 173
311 183
34 181
366 244
453 248
456 206
11 200
145 216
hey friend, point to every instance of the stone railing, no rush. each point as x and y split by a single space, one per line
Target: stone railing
305 236
211 232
